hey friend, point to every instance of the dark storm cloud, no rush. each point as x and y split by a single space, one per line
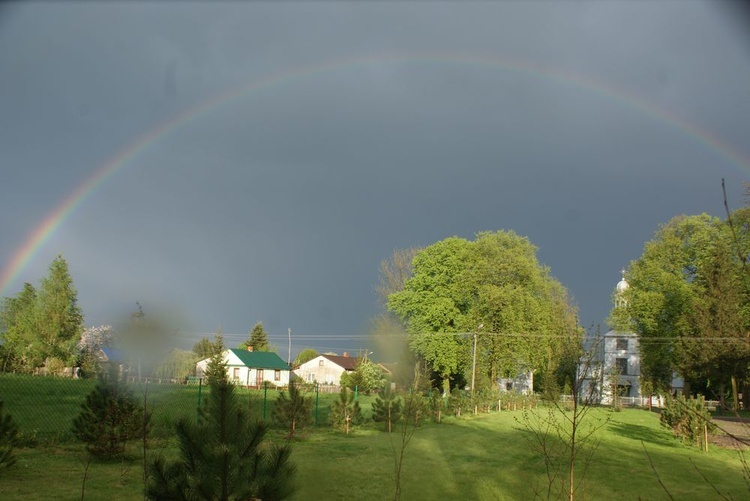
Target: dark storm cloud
279 205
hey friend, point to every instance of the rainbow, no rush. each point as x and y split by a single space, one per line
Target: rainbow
55 219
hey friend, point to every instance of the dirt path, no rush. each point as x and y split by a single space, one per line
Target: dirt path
733 432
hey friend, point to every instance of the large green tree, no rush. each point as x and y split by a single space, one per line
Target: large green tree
688 302
62 318
435 305
42 327
495 281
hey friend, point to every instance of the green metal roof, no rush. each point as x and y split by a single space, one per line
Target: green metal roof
261 359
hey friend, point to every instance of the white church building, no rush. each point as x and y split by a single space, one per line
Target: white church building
616 364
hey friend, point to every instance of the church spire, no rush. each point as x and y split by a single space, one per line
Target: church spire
621 287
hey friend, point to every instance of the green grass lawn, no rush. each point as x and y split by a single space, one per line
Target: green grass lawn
482 457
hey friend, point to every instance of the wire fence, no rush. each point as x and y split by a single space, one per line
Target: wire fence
656 401
44 407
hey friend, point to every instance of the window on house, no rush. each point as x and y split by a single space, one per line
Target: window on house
320 363
277 375
622 366
508 386
622 344
236 373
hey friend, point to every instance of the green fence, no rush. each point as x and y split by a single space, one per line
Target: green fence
44 407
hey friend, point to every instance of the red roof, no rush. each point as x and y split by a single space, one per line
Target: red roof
347 363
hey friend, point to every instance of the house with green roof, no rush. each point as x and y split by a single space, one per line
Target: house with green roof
251 368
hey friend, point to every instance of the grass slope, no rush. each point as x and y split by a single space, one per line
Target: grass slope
487 457
483 457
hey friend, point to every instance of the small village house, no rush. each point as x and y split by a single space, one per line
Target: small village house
326 369
251 368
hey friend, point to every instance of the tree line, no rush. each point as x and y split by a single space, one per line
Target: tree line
689 303
469 311
42 329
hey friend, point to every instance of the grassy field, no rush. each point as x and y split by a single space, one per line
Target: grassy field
482 457
44 407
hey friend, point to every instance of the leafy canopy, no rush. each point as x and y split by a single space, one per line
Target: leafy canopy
688 290
494 281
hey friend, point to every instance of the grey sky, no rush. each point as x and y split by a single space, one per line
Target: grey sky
279 205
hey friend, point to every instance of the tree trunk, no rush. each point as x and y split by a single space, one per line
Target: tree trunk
446 386
722 402
735 395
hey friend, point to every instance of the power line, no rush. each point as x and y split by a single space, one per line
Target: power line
341 337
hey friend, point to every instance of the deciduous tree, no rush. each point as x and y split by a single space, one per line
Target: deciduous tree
688 302
304 356
19 318
494 281
366 377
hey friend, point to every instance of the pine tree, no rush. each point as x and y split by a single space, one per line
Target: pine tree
345 411
109 418
224 456
386 408
8 439
217 369
61 318
437 405
293 412
258 339
458 401
206 348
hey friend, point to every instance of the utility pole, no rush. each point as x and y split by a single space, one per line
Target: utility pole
474 365
289 355
474 361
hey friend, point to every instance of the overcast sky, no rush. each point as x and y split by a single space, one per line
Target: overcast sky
385 125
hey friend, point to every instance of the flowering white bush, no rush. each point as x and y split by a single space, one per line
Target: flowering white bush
95 338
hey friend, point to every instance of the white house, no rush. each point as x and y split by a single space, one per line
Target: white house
326 369
251 368
523 383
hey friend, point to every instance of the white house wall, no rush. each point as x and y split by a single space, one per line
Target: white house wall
523 383
245 376
320 370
